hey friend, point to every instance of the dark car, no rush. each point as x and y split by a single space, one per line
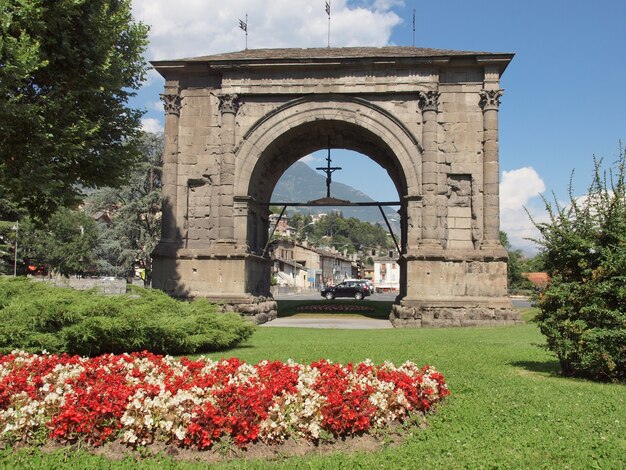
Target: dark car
369 283
355 289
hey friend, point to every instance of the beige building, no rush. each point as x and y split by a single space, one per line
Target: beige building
281 226
312 267
335 266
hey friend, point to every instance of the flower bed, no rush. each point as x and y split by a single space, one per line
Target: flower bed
142 397
335 308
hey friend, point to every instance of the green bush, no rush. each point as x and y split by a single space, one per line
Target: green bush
35 316
583 309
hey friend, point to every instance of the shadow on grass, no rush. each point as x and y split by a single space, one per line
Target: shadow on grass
381 310
550 367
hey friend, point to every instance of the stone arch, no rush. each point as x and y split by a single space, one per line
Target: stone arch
236 121
302 124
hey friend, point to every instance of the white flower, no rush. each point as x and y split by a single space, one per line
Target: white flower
180 433
129 436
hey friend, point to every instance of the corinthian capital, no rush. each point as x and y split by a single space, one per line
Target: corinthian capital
171 103
490 99
229 104
429 100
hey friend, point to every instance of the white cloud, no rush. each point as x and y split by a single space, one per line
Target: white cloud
189 28
157 105
519 186
518 189
151 125
310 159
387 4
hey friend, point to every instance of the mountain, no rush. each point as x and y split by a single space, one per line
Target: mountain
301 183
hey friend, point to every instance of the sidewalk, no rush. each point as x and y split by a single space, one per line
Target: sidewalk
322 321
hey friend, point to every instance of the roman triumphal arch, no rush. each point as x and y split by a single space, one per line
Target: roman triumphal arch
235 122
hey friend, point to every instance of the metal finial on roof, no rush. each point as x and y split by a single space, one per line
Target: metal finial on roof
413 27
244 26
328 13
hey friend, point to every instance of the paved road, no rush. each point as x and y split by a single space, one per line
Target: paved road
315 295
344 322
520 302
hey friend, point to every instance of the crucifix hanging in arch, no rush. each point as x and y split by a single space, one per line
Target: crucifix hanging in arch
328 170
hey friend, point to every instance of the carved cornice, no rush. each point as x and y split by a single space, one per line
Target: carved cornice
490 99
429 100
172 103
229 103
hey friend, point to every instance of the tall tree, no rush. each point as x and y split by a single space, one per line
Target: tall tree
514 264
134 213
65 244
67 71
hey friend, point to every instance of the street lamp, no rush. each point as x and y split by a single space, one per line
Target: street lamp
16 227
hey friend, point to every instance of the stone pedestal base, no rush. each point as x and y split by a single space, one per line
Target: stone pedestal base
455 287
235 280
256 309
425 316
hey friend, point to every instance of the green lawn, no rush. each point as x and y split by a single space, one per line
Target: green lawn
508 409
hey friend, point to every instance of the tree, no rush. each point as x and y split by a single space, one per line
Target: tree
514 265
134 210
67 71
535 264
350 233
7 247
66 243
583 309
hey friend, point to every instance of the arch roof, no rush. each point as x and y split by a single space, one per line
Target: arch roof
321 55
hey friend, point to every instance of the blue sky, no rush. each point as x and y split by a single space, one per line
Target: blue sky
565 90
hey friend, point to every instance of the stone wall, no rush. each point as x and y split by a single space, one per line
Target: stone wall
106 286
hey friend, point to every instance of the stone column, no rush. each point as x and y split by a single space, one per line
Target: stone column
244 208
490 102
172 105
429 102
411 214
229 105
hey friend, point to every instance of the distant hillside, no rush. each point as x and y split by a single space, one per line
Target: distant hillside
300 183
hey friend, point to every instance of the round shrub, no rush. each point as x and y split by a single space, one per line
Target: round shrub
35 316
583 309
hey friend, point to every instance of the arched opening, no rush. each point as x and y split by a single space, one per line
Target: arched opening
309 137
272 147
313 245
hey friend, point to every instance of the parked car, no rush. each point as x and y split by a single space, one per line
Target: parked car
369 283
355 289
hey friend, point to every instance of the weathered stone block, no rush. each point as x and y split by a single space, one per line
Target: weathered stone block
459 212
